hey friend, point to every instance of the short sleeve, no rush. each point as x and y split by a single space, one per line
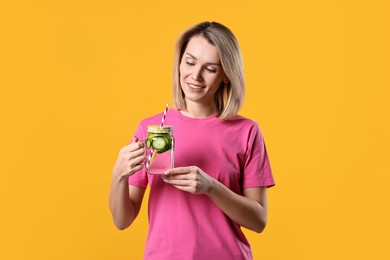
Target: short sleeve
139 178
257 169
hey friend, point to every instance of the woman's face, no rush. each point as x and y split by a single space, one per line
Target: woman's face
201 71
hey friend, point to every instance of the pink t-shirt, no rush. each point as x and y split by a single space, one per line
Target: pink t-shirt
186 226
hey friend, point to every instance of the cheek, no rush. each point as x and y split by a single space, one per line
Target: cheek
182 70
216 82
182 74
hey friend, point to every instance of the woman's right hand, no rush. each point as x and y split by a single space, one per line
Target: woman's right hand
130 159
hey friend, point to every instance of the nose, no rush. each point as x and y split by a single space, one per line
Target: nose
196 74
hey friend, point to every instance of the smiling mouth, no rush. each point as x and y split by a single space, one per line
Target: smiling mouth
195 86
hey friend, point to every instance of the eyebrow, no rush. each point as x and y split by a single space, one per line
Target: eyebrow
208 63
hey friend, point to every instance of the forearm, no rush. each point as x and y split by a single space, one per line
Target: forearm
246 212
122 210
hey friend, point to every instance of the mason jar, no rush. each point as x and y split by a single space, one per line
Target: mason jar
159 149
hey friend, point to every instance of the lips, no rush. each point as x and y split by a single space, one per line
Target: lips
196 87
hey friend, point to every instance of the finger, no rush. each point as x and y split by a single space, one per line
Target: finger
179 170
181 176
139 159
136 153
136 162
138 142
132 147
137 168
176 182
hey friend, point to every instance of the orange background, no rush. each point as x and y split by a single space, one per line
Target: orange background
76 77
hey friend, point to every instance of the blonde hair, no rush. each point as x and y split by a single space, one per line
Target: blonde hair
229 97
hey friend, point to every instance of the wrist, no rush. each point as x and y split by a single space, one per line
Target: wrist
212 187
118 177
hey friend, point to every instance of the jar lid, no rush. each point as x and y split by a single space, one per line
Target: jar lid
167 129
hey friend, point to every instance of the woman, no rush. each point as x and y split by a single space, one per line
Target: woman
222 170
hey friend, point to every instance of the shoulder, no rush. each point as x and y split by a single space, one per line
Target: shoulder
241 122
245 127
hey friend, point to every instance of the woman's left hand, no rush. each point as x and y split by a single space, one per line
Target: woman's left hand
250 208
191 179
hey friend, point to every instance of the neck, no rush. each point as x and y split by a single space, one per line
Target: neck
196 110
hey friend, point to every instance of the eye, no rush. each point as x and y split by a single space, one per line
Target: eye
190 62
211 70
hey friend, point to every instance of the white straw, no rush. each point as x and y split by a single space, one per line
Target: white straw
149 163
163 117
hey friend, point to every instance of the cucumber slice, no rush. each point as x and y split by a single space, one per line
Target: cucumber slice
166 148
148 143
159 143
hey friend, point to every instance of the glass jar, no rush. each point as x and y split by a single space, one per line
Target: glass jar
159 149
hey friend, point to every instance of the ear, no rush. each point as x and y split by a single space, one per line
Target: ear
226 80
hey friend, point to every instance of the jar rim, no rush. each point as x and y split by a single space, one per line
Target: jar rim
160 129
